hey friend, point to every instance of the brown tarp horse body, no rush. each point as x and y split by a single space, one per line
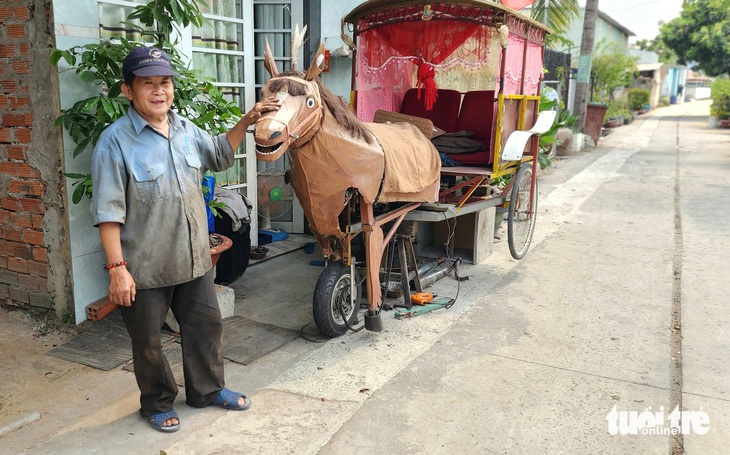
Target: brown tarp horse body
331 152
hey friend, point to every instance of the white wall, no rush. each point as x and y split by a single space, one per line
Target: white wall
339 77
90 282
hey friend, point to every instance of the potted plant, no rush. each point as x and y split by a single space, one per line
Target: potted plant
101 65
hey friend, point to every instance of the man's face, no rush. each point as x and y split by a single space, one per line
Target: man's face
151 96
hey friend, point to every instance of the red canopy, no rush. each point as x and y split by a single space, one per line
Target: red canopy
427 43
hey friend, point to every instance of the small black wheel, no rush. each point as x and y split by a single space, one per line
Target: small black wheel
522 212
331 300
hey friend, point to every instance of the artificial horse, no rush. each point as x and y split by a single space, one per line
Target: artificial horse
334 156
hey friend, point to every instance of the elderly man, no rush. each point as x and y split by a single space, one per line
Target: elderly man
147 170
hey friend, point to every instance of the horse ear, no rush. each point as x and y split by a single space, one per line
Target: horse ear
269 62
317 64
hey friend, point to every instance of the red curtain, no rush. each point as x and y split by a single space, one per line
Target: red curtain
517 4
427 43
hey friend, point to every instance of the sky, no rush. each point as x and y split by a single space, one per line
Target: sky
641 16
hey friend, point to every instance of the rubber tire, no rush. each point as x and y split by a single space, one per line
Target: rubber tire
332 287
520 219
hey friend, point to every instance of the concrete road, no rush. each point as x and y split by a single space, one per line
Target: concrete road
615 317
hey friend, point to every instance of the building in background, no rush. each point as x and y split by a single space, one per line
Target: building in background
608 31
666 82
698 86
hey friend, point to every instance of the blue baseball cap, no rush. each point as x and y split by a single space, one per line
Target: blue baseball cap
147 62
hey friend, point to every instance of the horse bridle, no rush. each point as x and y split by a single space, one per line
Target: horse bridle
291 135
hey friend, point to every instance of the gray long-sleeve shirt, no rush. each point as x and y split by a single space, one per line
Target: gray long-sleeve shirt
152 186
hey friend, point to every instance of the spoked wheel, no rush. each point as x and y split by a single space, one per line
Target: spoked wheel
522 212
331 304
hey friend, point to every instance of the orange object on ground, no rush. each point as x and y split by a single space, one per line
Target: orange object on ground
422 298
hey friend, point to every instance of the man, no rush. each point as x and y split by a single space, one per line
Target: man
147 170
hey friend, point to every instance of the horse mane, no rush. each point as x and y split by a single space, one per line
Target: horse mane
335 104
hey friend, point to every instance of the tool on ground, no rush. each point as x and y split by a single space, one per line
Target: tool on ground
435 304
422 298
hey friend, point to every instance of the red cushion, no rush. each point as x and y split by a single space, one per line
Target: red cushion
444 113
477 115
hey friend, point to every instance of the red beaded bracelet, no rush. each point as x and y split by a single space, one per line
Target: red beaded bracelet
116 264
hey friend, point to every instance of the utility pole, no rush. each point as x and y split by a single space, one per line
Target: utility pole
582 87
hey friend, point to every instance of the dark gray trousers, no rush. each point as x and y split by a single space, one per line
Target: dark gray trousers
196 309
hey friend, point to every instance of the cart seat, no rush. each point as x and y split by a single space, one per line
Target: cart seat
444 113
477 115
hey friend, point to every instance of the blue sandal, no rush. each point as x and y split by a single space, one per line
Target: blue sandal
229 400
157 421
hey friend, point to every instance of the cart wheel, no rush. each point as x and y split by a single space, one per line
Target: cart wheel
522 212
332 292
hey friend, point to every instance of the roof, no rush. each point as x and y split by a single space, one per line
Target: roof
374 6
615 23
649 66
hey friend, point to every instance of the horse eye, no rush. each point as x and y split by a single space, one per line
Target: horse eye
310 102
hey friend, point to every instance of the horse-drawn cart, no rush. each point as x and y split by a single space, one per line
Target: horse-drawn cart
464 66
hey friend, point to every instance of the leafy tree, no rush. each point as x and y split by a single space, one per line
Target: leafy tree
611 68
700 36
559 13
556 14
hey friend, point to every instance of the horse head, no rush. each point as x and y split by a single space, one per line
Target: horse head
301 111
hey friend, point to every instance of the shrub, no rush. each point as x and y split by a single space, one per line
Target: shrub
720 94
638 98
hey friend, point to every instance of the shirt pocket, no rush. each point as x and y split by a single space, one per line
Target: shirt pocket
195 165
149 181
193 160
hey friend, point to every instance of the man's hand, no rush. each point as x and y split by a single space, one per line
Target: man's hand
235 135
266 105
122 289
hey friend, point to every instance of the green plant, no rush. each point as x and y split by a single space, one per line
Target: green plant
611 68
720 108
68 316
720 94
548 101
214 204
638 98
83 185
196 98
544 160
612 112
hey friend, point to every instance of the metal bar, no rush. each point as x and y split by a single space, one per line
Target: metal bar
384 218
404 274
416 273
373 242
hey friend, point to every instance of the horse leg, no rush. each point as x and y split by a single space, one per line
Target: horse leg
374 251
